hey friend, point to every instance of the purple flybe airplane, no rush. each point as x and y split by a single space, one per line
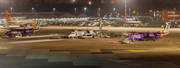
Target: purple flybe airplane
18 33
150 35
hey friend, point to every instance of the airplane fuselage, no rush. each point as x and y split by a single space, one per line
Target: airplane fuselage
138 36
20 22
19 31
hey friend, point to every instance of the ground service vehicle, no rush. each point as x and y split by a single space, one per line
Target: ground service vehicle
85 36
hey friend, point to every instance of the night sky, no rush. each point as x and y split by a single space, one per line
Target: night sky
141 6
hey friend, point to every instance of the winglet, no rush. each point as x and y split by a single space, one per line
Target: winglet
8 17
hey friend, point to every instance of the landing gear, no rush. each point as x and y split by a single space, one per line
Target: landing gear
18 36
28 35
154 39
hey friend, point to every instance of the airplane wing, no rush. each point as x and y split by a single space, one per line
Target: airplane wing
9 28
100 30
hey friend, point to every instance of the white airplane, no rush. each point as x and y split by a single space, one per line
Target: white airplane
22 23
77 33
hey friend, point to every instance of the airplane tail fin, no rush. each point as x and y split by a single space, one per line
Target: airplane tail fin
36 28
8 17
166 28
101 25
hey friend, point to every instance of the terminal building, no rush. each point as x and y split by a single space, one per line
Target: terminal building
170 15
44 16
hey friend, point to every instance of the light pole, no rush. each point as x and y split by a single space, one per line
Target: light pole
99 11
114 10
89 7
11 9
75 10
129 11
125 11
32 9
85 10
54 9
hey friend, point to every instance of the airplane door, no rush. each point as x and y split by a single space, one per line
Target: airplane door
147 35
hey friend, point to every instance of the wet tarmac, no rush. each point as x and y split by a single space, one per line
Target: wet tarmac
42 52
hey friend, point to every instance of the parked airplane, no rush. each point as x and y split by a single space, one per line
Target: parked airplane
77 33
96 31
151 35
17 33
22 23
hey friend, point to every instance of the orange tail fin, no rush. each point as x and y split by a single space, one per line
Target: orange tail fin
8 17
